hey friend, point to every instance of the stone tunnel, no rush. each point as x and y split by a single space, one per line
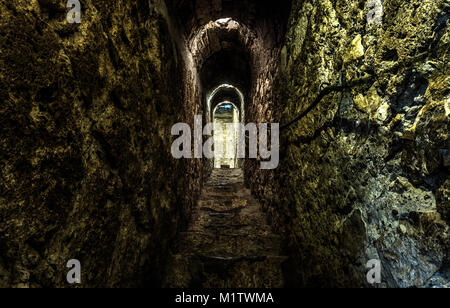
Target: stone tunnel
360 90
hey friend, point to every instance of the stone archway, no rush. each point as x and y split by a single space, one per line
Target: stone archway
225 115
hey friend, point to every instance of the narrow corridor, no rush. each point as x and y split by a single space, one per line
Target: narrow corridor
228 244
106 154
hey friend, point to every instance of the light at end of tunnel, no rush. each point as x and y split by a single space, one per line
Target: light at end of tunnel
223 21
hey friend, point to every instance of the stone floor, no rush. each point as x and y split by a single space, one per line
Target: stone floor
228 242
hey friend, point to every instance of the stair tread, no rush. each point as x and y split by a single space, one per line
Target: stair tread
232 258
228 242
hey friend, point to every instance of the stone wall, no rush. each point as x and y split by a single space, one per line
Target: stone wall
264 104
363 175
86 112
85 164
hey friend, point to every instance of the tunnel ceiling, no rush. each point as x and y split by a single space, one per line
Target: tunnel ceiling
230 41
227 67
193 14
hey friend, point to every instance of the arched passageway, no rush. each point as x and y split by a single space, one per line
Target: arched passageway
230 69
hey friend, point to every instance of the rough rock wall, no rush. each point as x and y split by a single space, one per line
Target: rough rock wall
264 103
85 117
365 174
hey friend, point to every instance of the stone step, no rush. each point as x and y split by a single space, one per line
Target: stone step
228 243
224 200
209 194
238 218
230 229
231 244
222 203
203 271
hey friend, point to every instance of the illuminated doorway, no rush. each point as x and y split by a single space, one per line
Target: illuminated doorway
225 116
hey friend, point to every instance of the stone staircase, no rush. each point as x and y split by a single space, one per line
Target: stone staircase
228 243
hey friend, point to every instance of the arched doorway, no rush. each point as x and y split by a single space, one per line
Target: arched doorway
225 106
225 116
